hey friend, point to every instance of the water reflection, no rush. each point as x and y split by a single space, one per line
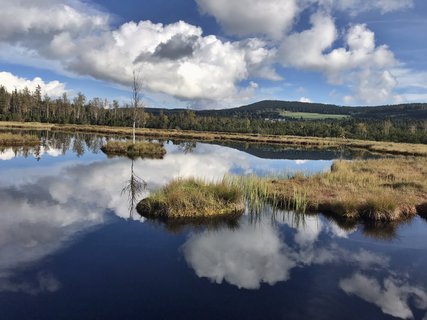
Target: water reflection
44 211
257 253
133 188
392 294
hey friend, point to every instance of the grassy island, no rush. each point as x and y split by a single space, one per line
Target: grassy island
372 190
141 149
192 198
377 191
18 140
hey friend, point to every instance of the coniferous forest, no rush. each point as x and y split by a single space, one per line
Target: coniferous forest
25 105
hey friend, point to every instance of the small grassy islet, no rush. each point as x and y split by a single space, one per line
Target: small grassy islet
143 149
192 198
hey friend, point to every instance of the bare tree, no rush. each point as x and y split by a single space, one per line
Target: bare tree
136 99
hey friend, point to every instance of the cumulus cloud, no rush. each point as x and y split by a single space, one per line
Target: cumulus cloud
175 59
360 64
46 19
312 49
178 60
12 82
252 17
392 297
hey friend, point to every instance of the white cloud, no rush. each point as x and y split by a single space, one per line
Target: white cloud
178 60
252 17
12 82
174 59
374 87
360 64
304 99
27 21
309 49
392 297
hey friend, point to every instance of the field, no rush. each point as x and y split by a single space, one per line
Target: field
312 116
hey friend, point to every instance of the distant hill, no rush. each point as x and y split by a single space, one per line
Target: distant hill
272 109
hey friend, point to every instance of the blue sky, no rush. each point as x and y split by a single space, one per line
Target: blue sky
219 53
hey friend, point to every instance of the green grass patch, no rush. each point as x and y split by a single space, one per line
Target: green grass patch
192 198
312 116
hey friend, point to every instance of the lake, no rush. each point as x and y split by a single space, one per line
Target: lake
71 247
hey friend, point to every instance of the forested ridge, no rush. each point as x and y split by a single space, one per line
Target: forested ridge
402 123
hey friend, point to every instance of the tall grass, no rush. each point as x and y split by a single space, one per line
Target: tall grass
259 194
255 190
375 190
184 198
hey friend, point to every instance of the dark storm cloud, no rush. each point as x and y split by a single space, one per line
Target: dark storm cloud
179 46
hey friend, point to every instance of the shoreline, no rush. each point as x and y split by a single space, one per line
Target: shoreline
381 147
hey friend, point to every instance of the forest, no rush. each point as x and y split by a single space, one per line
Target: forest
364 123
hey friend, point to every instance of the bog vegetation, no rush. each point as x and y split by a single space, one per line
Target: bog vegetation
380 190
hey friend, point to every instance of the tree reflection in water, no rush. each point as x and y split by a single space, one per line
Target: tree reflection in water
134 187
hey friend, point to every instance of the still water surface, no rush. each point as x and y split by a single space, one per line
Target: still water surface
70 248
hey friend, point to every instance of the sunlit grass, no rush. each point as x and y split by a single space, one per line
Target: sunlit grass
192 197
377 190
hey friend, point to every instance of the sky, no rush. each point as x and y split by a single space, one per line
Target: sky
218 53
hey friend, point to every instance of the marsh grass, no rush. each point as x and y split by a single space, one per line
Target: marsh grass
141 149
373 190
192 198
18 140
255 190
